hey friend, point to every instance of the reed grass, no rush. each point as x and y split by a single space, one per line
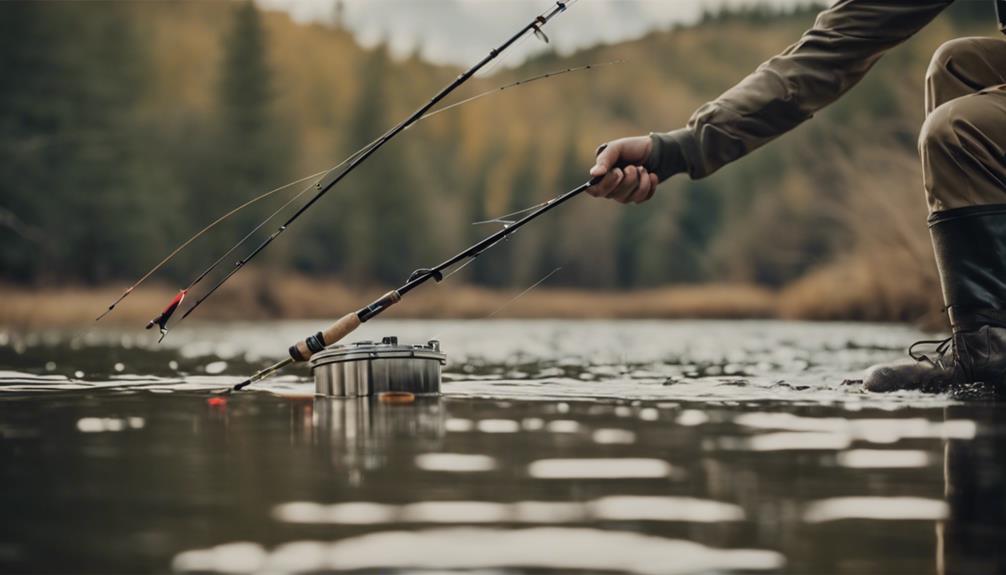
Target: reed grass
259 297
888 272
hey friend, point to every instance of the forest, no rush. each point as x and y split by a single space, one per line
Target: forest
128 126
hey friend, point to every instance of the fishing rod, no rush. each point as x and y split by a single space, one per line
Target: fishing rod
270 193
304 349
161 319
326 183
198 235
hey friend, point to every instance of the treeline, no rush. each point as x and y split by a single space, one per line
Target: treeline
127 127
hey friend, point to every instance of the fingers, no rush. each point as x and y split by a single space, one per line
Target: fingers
645 188
626 184
633 184
607 185
607 156
654 182
623 191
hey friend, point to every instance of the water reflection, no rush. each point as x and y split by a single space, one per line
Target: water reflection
875 508
455 462
614 468
556 548
971 539
614 436
100 424
566 446
360 433
883 458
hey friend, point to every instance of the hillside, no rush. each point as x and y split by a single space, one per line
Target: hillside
157 117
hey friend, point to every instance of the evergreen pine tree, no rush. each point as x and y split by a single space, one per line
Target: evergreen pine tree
252 148
71 88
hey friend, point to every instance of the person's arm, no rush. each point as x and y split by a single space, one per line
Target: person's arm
844 43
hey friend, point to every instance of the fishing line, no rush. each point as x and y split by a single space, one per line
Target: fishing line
503 219
328 182
525 292
305 349
198 235
273 215
461 267
495 65
161 319
523 82
214 223
513 299
171 307
203 231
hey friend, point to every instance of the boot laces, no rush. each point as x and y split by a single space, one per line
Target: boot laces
939 353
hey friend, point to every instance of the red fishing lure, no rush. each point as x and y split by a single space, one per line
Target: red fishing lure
161 321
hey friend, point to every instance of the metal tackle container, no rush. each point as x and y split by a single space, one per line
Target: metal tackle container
370 368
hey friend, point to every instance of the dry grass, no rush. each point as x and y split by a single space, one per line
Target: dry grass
716 301
861 288
33 308
888 273
257 296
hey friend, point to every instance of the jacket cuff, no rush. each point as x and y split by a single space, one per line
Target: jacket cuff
669 153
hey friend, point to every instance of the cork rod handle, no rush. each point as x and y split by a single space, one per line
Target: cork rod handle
304 349
340 329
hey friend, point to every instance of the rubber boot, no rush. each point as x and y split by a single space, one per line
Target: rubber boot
970 247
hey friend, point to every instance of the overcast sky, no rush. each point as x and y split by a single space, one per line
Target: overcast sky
462 31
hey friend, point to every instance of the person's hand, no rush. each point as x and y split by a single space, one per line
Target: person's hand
625 179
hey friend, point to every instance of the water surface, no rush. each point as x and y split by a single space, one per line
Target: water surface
558 446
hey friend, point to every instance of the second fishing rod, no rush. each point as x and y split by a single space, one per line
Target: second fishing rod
329 181
304 349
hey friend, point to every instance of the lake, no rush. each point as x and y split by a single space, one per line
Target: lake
644 447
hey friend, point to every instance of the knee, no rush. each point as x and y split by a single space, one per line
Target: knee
971 119
948 52
939 132
958 147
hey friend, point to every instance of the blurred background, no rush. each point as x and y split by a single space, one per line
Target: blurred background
126 127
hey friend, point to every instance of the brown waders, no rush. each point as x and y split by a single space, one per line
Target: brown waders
963 150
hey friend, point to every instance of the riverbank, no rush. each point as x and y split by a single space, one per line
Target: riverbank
257 296
299 298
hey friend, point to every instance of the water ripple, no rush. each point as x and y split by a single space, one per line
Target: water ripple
483 548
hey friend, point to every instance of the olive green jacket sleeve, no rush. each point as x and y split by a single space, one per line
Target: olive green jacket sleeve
845 42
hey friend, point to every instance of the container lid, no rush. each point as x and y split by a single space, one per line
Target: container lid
387 348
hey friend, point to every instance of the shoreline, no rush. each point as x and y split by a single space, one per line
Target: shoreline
302 298
257 296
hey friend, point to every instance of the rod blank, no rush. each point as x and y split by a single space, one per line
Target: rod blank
304 349
329 181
